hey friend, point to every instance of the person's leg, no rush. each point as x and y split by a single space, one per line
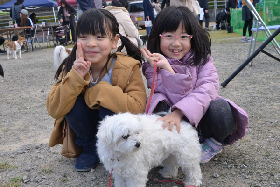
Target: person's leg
250 24
161 108
219 121
228 19
103 112
216 125
218 25
84 121
148 29
244 38
245 27
207 18
73 34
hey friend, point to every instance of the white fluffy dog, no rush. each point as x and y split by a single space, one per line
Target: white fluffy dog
131 145
60 53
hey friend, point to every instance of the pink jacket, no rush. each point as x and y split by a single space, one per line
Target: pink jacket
191 89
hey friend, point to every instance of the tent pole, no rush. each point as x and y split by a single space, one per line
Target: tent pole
54 14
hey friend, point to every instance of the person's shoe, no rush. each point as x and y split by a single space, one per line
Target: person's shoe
206 28
2 51
249 39
88 159
244 39
210 147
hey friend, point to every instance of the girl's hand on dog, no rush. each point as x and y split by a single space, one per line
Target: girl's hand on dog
174 118
80 65
162 62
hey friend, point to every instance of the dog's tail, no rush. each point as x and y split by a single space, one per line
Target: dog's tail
60 53
1 71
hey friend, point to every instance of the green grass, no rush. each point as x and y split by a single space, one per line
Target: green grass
267 154
5 165
47 170
222 36
6 130
142 32
15 182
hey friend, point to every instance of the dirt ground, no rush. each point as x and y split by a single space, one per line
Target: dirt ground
25 126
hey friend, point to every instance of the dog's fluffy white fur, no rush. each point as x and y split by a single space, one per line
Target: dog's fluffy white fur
132 145
60 53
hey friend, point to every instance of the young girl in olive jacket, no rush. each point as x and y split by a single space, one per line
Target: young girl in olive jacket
93 83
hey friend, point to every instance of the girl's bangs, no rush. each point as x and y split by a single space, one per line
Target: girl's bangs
92 22
172 23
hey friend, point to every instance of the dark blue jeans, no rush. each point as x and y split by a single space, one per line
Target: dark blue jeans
84 121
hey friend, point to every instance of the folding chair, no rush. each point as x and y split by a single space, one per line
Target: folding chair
48 35
261 26
31 38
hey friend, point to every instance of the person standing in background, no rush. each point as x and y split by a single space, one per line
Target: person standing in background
88 4
79 10
204 4
68 13
126 26
167 2
157 6
15 11
148 13
247 16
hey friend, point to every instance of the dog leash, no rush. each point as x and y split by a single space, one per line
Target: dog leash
154 84
178 182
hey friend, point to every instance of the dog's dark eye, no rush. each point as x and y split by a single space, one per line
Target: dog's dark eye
125 136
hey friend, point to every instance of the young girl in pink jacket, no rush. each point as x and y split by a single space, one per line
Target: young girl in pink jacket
188 82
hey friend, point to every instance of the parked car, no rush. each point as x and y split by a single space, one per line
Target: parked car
136 12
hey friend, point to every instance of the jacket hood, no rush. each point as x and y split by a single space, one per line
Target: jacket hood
116 8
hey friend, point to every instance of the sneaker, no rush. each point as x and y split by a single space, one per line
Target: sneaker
249 39
206 28
211 147
244 39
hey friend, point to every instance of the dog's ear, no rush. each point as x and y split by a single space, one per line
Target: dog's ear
105 132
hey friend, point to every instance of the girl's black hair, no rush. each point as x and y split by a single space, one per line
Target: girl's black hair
95 21
168 20
120 3
64 2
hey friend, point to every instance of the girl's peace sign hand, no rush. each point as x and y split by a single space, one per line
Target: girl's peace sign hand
80 65
162 62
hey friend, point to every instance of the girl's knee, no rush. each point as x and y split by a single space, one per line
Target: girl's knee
219 120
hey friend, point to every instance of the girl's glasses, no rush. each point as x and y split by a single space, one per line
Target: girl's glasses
171 38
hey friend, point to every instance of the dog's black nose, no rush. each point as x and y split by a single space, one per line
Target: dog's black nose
137 144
